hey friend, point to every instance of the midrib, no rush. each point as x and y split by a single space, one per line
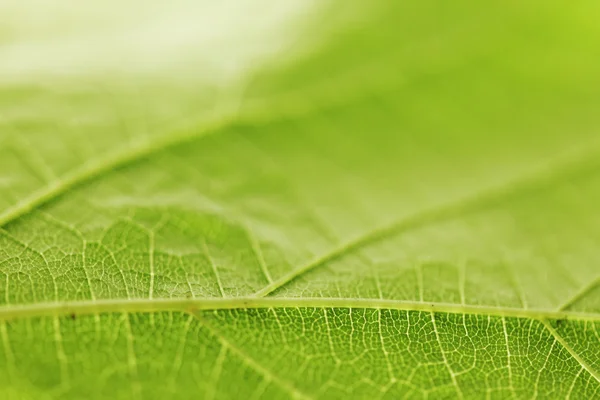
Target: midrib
75 308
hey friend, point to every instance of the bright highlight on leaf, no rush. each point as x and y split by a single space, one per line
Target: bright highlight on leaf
316 200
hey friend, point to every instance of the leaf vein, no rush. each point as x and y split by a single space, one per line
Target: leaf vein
552 175
217 303
248 360
100 166
595 374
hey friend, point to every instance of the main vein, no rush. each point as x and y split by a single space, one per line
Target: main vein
75 308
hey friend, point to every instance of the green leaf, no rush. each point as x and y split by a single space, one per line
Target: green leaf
382 200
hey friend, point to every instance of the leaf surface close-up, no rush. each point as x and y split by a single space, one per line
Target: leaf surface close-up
300 199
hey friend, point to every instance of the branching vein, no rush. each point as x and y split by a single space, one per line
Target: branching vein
571 351
548 177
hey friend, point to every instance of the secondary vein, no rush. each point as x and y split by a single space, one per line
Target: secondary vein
250 361
571 351
563 171
581 293
97 167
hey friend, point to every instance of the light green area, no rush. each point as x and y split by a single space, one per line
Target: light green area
404 205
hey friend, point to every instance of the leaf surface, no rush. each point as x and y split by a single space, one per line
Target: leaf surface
401 203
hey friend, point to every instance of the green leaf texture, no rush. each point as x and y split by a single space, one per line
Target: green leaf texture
392 199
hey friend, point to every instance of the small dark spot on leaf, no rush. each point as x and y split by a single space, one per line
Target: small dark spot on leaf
73 316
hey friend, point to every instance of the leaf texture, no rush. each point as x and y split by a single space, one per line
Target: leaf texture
402 203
